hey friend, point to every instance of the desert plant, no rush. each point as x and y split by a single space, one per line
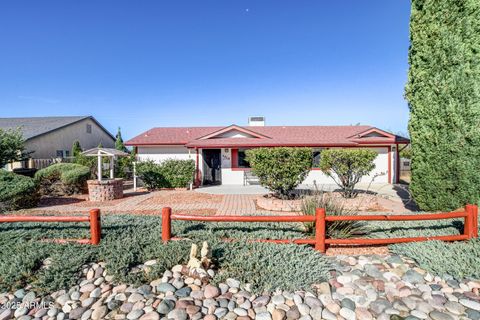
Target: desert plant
17 192
12 146
347 167
280 170
63 178
443 93
171 173
333 207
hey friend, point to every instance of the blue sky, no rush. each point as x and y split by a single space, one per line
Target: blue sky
141 64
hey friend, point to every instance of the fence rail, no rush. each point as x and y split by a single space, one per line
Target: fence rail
93 218
470 215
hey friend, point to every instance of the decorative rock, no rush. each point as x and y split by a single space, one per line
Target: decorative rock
165 306
183 292
263 316
347 313
437 315
470 304
177 314
76 313
99 313
278 299
347 303
211 291
152 315
135 314
232 283
261 301
166 287
278 314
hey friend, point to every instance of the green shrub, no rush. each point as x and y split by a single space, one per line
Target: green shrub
170 173
347 167
63 178
333 207
17 192
280 170
443 93
457 259
12 146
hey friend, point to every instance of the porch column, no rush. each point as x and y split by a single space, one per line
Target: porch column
99 163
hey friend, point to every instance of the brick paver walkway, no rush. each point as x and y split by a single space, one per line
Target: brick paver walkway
232 204
237 204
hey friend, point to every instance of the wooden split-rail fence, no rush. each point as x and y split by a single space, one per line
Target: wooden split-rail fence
320 241
93 219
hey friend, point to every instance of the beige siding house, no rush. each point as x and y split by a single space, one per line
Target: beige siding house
53 137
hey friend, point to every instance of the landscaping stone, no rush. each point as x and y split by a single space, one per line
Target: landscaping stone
363 287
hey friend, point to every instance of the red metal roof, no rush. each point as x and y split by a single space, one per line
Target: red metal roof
270 136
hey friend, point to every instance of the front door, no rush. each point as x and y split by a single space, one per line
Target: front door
212 165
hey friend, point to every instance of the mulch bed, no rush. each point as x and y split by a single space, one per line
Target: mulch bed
182 197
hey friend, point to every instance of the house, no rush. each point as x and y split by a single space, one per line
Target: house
53 137
219 152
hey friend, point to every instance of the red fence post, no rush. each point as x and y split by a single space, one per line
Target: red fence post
166 224
471 221
95 227
320 230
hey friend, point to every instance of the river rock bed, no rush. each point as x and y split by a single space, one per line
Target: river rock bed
361 287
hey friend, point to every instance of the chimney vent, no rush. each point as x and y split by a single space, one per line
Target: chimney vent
256 121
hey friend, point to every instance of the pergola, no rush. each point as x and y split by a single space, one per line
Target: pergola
105 152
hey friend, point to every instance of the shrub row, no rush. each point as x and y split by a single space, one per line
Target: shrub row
17 191
63 179
170 173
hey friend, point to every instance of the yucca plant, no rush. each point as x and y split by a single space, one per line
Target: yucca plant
333 207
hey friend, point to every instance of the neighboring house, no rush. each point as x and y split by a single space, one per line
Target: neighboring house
53 137
219 152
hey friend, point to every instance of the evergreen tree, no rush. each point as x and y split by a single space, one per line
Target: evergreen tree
119 145
76 148
443 92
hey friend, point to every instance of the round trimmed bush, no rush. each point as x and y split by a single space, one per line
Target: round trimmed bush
63 179
17 191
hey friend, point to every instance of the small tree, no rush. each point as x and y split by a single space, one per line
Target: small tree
280 170
347 166
12 146
76 148
119 145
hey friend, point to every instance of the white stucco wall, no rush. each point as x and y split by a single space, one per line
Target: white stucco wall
159 154
235 177
381 169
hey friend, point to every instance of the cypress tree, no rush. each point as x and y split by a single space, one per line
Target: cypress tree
76 148
443 92
119 145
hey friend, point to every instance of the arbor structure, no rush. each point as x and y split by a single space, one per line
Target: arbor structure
443 92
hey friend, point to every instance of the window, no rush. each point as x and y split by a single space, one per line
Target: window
67 153
242 163
59 153
89 128
316 158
